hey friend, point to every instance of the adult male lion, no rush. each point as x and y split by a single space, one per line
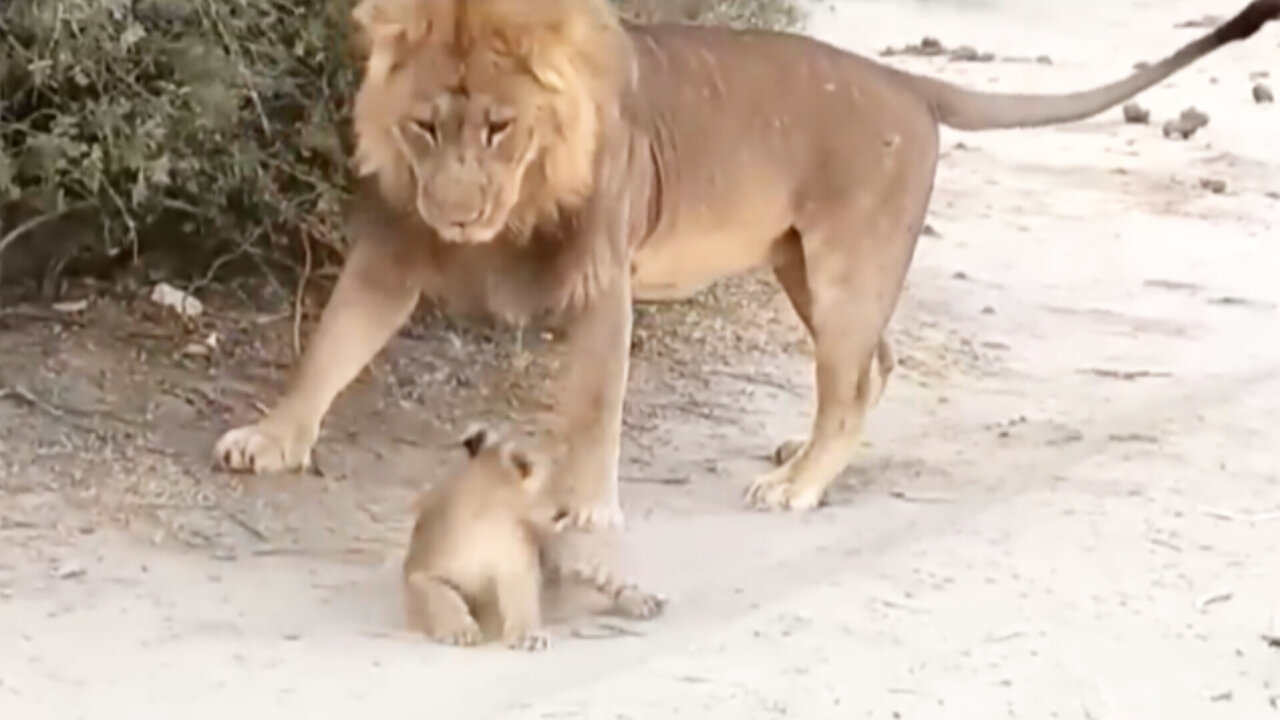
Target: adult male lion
539 156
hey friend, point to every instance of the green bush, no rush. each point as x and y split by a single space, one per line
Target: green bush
205 129
181 121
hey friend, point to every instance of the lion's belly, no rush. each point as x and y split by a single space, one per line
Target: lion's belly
676 264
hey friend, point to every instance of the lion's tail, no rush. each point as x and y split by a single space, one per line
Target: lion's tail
973 110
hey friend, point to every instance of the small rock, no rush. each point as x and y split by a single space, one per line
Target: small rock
225 554
1214 185
71 307
927 47
966 53
1271 636
1044 59
1186 125
204 348
1262 94
932 45
1136 114
180 302
69 571
1204 21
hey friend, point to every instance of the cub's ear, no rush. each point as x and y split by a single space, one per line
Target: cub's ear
477 438
560 520
528 468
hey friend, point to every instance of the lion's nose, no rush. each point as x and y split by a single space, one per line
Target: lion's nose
461 202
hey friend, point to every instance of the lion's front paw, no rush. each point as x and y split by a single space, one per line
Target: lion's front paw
590 518
587 501
778 490
265 447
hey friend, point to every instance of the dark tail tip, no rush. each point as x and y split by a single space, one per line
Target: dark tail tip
1245 24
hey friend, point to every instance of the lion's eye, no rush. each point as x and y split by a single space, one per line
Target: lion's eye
494 131
428 128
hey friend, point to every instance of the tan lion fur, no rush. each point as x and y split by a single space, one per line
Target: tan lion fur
536 156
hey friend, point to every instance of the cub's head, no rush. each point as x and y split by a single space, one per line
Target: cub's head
484 114
497 460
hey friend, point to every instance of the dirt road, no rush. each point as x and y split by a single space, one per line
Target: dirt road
1069 506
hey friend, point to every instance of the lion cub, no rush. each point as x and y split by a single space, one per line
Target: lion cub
475 561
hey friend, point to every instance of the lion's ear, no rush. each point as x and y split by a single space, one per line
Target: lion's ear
548 68
390 27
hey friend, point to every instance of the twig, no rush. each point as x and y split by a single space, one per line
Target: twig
756 379
247 526
602 631
1219 597
244 246
1125 374
1240 517
245 75
299 295
670 481
901 605
65 413
24 395
35 222
907 496
1005 636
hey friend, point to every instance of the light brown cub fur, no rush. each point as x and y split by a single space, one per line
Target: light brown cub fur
475 558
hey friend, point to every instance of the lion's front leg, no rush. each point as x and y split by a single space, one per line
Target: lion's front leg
371 301
592 389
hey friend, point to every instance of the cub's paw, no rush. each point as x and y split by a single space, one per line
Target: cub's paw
632 602
466 634
265 447
535 641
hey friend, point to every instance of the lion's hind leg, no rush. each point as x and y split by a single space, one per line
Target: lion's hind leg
845 290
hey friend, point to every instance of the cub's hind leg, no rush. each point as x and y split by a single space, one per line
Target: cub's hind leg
520 605
439 610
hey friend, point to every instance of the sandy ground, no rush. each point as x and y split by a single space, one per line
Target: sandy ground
1069 506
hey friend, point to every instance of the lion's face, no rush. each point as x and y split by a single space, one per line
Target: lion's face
469 144
485 114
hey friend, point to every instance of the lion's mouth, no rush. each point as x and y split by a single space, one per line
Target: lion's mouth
475 228
474 231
